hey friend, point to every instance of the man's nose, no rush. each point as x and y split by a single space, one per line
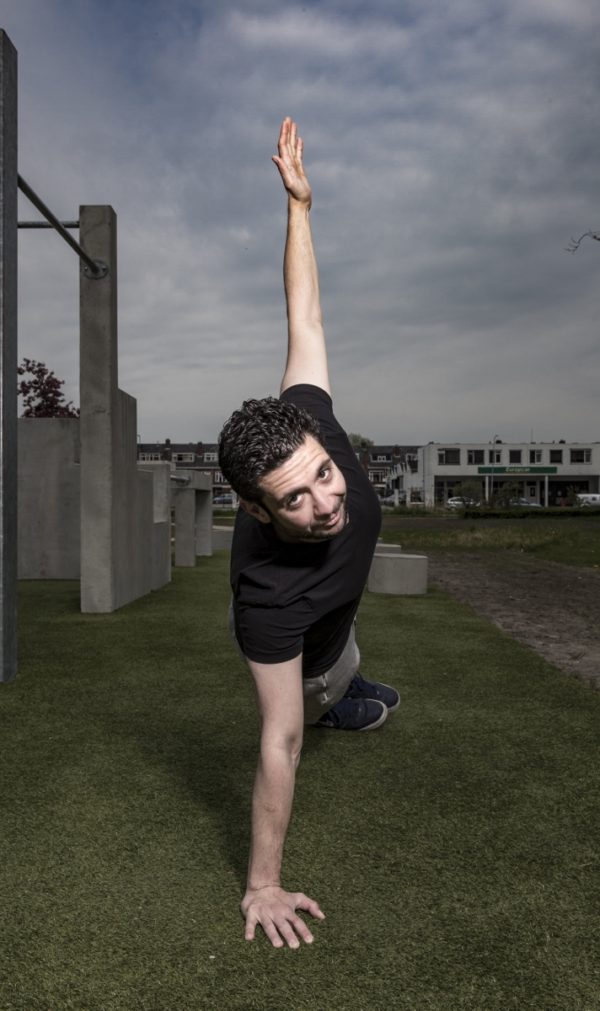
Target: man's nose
325 503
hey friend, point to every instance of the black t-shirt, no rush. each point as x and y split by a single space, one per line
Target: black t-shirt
302 597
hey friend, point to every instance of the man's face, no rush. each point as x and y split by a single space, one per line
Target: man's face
304 498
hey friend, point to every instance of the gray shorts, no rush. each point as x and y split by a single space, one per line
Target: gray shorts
323 691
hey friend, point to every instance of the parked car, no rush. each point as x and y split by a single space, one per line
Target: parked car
390 500
523 503
459 502
588 499
225 500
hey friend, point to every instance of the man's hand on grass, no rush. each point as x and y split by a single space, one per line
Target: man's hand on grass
275 910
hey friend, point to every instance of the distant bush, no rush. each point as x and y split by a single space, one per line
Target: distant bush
525 513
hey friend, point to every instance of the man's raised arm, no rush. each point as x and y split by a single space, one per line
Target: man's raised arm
307 355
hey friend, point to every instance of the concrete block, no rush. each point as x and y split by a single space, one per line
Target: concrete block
185 534
48 483
222 538
119 556
398 574
387 549
161 526
193 516
161 474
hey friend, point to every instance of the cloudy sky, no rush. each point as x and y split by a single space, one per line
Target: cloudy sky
453 149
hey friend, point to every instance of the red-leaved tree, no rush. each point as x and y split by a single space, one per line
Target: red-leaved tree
41 392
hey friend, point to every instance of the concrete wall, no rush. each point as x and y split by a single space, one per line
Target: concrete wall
49 506
161 503
48 496
193 516
117 511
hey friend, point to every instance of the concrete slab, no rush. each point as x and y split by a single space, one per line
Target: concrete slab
398 574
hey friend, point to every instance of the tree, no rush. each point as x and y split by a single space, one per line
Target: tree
508 491
359 441
470 491
41 392
574 244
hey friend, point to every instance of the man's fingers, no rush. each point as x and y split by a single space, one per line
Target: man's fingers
302 901
289 927
302 930
284 137
272 933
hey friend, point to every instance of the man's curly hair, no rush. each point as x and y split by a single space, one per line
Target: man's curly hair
259 437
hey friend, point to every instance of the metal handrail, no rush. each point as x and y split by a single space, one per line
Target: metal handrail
95 269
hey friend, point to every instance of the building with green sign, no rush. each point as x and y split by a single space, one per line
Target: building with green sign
543 473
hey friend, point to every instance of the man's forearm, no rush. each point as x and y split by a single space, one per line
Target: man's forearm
271 809
307 356
300 272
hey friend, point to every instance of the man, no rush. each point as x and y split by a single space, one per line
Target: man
302 546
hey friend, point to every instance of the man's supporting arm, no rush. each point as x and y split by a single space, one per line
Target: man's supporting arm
307 354
279 689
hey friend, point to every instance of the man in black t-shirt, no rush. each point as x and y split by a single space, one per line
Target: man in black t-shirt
303 542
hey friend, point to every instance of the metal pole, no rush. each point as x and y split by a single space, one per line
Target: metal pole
95 269
8 359
47 224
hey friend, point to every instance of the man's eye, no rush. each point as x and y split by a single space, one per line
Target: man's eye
293 501
325 472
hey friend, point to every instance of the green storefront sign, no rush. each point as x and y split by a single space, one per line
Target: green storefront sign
517 470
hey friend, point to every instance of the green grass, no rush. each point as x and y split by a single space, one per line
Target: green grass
454 851
573 541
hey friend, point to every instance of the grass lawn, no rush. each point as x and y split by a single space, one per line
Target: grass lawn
572 540
455 851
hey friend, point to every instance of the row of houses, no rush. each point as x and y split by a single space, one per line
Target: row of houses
543 473
380 462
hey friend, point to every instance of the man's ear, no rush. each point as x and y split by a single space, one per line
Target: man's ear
256 510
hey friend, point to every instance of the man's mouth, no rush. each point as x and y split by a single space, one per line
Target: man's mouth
334 519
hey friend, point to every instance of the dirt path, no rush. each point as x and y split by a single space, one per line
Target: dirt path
553 608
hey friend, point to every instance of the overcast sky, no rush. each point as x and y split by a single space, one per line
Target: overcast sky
453 150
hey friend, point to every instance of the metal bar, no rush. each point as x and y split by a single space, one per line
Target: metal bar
46 224
95 269
8 359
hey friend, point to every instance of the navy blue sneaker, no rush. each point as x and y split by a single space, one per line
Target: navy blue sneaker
354 714
373 690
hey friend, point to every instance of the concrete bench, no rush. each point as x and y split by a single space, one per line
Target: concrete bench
397 573
381 548
222 537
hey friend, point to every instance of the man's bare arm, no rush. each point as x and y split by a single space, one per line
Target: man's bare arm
307 354
279 689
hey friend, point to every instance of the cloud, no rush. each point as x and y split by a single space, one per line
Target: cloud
453 151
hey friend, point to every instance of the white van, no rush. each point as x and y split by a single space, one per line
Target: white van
590 499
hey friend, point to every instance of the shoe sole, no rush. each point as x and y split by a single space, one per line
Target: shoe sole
370 726
391 709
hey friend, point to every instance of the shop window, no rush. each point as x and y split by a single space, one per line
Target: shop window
556 456
581 456
535 456
449 457
475 456
514 456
